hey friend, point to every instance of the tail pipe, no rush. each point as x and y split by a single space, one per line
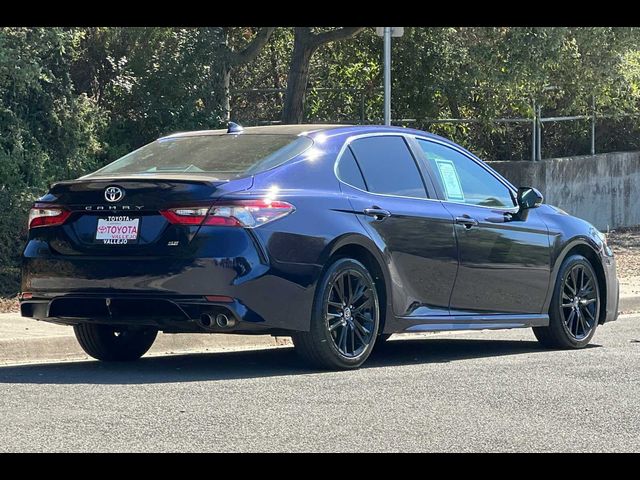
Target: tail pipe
212 321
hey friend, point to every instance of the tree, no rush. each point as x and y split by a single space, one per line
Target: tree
47 131
230 59
257 87
158 80
304 46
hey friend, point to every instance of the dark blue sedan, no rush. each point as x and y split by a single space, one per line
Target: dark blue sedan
335 235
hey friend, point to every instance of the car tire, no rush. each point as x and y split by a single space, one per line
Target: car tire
113 343
575 306
344 326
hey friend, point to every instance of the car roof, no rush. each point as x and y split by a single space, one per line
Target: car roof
314 129
297 129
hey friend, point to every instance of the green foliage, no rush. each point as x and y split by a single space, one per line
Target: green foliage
267 72
47 131
153 81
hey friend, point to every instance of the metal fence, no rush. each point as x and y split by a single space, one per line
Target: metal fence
535 122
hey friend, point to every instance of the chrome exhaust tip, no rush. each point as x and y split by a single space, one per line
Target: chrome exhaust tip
206 320
213 322
223 321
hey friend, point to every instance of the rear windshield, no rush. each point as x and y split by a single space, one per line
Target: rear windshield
223 156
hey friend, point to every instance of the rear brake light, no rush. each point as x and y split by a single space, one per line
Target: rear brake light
186 215
236 213
47 216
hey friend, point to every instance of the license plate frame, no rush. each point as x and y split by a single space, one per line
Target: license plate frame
117 230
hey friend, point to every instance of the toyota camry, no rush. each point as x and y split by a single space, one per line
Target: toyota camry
337 236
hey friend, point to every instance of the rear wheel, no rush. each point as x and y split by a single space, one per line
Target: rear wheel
114 343
345 318
575 306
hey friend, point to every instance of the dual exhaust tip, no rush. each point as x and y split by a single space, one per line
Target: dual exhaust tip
209 321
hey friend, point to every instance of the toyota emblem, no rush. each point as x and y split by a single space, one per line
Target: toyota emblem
113 194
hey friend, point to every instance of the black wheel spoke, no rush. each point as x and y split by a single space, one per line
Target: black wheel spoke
360 337
335 325
358 293
574 281
364 304
352 330
340 290
590 314
572 290
342 343
570 319
584 322
362 328
579 323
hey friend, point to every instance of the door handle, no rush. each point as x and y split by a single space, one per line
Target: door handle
467 222
377 213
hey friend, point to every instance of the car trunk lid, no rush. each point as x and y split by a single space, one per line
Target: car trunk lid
123 213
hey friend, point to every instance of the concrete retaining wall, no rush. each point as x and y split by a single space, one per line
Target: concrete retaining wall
603 189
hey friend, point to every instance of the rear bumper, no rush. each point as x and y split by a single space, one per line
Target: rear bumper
167 313
169 292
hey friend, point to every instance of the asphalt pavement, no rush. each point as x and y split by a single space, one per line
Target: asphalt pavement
478 391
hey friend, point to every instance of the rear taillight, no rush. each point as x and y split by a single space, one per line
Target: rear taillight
236 213
47 216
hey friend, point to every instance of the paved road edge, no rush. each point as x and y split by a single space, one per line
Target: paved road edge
65 347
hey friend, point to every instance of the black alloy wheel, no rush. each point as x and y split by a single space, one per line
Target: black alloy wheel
349 313
345 318
579 302
575 306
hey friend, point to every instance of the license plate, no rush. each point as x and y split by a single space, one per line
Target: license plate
117 230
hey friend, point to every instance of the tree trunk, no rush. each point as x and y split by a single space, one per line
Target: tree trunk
304 45
297 80
226 102
454 108
275 72
229 59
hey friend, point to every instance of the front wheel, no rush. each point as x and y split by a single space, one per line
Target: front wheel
575 306
345 318
114 343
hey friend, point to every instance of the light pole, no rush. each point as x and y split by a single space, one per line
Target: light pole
387 75
387 33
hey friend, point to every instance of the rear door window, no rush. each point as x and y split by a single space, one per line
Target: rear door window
388 166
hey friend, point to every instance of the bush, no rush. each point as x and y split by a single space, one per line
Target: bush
47 131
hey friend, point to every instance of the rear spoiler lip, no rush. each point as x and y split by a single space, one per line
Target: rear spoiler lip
186 178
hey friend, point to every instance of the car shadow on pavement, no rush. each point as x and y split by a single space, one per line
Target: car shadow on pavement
197 367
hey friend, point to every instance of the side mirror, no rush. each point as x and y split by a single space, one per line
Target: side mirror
529 197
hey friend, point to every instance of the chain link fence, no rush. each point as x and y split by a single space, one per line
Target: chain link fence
527 138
